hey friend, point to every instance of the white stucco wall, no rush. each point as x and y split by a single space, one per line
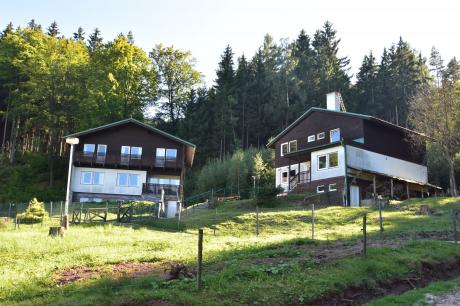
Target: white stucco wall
110 181
367 160
330 172
280 170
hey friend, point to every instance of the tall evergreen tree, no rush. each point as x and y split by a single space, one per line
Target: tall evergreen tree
53 29
95 41
79 35
366 87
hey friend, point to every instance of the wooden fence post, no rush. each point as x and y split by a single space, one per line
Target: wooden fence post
9 211
178 218
200 259
454 223
61 214
215 221
312 221
364 236
380 219
51 209
257 220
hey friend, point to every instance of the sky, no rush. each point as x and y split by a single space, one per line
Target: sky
205 27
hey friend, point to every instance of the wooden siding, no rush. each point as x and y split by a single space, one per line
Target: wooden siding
130 134
392 142
317 122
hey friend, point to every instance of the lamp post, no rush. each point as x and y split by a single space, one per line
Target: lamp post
65 220
254 187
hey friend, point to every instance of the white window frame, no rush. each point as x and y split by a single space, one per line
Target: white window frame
318 157
85 152
284 144
330 134
321 136
296 148
101 175
329 160
82 175
333 187
118 179
320 191
135 156
282 177
129 150
129 180
171 159
311 138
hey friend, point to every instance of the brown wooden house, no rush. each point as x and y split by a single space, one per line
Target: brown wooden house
130 160
353 157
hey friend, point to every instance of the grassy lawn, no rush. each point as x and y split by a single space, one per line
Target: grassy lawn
281 265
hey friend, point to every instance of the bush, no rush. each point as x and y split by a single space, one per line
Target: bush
266 195
34 213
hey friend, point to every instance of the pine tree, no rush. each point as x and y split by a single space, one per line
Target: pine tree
53 29
130 37
366 86
452 72
79 35
33 25
437 65
95 41
9 29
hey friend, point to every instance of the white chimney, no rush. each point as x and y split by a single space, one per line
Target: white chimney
333 101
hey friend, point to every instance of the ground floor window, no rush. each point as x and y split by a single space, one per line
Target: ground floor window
333 187
284 177
320 189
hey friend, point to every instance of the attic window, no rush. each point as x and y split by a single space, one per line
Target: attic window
321 135
335 135
284 148
293 146
311 138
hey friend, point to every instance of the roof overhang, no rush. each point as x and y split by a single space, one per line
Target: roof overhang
315 148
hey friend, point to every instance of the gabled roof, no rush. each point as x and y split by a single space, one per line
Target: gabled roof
137 122
323 110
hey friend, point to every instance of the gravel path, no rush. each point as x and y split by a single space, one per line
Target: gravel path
447 299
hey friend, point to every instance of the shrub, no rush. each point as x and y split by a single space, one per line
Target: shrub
34 213
266 195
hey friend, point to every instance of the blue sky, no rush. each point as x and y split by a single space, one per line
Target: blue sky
206 27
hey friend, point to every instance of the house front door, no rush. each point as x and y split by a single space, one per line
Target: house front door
354 196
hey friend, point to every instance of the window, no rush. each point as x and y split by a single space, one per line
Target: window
88 149
160 156
293 146
171 154
335 135
284 177
321 135
292 173
333 187
98 178
322 162
320 189
133 180
122 179
136 152
86 177
333 159
101 150
175 182
311 138
284 148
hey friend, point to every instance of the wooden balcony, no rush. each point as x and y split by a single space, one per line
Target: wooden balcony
171 190
125 161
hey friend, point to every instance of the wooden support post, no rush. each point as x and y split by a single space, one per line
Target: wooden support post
60 218
407 191
180 212
200 259
289 175
364 235
374 184
392 194
312 221
422 193
380 219
257 220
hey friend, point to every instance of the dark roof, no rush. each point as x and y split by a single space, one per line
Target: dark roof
137 122
356 115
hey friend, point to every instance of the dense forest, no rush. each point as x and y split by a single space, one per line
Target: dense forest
51 85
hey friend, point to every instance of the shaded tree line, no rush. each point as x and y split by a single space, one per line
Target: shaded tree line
51 85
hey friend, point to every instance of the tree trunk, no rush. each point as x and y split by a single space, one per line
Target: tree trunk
452 182
13 139
4 128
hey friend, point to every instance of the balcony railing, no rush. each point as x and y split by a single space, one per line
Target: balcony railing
156 188
125 160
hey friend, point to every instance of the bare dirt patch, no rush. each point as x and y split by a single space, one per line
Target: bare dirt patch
359 295
164 270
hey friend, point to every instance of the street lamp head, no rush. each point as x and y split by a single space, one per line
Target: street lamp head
72 140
